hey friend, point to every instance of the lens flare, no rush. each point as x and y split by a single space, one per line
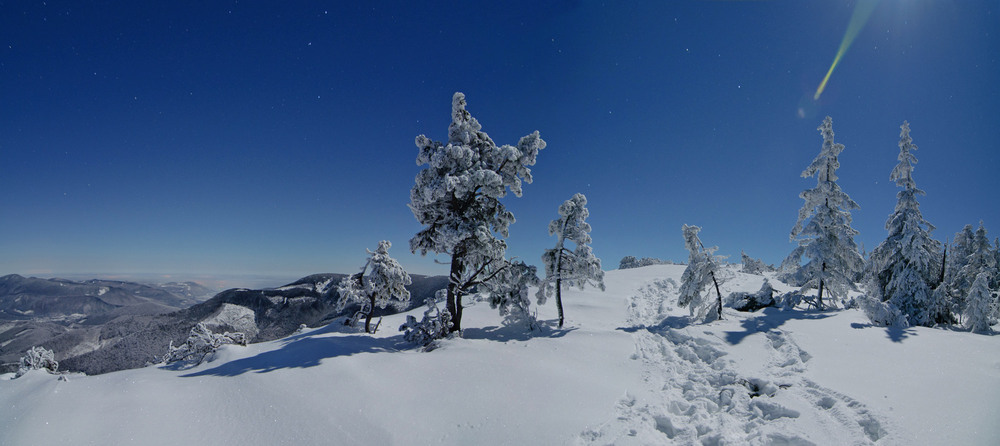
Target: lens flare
862 11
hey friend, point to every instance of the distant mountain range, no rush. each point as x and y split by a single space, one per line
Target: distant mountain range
33 298
99 326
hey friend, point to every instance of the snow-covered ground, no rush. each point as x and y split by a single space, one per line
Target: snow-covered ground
628 368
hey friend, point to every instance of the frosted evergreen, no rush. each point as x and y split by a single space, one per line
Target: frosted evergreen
823 229
981 309
905 267
457 199
699 274
381 283
970 255
578 267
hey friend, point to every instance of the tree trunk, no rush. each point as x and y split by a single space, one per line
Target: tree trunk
559 300
819 298
371 309
718 293
454 304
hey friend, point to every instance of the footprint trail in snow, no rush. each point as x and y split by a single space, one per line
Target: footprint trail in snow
693 394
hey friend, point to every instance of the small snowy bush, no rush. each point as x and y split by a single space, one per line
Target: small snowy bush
789 300
743 301
754 266
699 274
200 343
509 293
434 325
883 314
629 262
37 358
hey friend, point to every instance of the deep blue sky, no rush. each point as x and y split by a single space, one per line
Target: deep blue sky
277 137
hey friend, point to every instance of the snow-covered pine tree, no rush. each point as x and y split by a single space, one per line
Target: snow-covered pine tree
509 293
981 257
953 287
981 310
384 284
995 283
827 238
971 254
578 267
700 272
904 267
457 198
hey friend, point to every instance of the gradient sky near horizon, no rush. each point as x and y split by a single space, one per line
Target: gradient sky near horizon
276 138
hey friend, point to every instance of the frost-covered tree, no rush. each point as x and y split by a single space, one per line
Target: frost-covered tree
823 230
995 284
37 358
509 293
958 254
981 258
457 199
970 255
981 310
700 272
577 267
381 283
904 267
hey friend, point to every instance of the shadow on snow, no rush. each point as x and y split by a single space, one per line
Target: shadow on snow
517 332
302 352
757 322
771 318
675 322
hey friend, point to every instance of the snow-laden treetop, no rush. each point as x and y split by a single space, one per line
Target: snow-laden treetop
457 195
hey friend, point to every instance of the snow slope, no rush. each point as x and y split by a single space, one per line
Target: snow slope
629 368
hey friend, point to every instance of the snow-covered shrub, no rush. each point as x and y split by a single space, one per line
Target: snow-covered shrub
509 293
37 358
699 274
788 300
743 301
434 325
754 266
628 262
883 314
200 343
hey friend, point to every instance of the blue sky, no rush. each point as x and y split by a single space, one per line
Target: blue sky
277 137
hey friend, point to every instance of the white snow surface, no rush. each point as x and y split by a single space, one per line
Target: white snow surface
628 368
